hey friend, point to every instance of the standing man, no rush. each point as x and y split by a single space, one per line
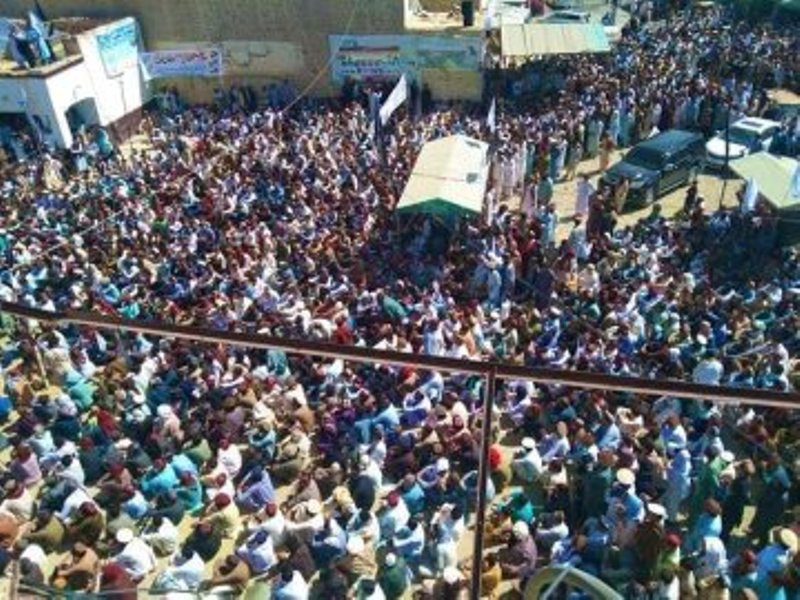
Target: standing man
583 192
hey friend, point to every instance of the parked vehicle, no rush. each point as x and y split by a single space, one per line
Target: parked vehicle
561 4
747 135
567 16
659 164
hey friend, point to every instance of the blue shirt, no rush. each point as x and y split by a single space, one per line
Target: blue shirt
181 464
634 507
136 507
609 437
191 496
158 483
258 494
414 499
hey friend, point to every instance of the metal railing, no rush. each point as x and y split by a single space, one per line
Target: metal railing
489 370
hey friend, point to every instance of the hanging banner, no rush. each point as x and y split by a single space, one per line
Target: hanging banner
449 54
387 57
196 62
368 58
118 47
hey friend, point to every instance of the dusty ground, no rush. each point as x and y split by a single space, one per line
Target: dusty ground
439 5
710 187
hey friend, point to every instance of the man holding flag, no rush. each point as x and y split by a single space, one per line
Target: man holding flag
491 117
38 34
393 102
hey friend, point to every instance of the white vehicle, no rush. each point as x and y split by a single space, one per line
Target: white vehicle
613 33
567 16
747 135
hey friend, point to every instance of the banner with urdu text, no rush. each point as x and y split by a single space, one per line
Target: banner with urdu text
193 62
118 46
387 57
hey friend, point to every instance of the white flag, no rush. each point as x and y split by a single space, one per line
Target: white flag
794 186
491 117
490 15
750 196
395 99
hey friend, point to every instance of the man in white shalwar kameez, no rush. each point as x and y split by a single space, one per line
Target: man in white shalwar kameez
583 192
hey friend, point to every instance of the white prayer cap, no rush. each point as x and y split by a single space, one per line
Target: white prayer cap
355 545
451 575
124 535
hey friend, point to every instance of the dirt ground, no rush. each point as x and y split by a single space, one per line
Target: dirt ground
710 187
438 5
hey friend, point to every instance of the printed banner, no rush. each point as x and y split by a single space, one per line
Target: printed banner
387 57
196 62
119 47
449 54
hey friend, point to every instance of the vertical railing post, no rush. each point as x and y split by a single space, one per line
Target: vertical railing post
13 584
483 476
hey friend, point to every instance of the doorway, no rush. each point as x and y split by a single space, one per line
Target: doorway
82 114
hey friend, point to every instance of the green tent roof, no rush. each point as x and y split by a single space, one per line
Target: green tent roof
449 178
773 175
791 5
540 39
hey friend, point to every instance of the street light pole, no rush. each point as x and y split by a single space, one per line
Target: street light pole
726 172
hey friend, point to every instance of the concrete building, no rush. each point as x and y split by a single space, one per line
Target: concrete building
94 80
267 41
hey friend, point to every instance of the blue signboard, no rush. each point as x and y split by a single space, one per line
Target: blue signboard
119 48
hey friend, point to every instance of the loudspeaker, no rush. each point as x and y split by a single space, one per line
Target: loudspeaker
468 12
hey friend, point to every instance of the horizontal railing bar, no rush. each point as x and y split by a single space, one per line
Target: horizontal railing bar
579 379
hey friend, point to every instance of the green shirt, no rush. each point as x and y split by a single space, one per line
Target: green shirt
394 580
394 309
48 537
200 453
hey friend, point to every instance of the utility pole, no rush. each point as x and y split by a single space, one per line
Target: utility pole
726 172
483 477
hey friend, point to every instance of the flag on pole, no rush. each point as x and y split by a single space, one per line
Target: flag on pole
40 13
39 27
491 117
395 99
750 196
794 185
37 24
37 8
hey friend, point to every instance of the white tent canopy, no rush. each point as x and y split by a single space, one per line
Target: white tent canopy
541 39
449 178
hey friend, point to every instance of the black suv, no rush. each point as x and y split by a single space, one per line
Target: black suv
659 164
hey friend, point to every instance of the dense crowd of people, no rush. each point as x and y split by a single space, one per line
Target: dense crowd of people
138 461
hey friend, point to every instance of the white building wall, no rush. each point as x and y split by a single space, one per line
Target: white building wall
65 89
31 96
49 98
115 96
